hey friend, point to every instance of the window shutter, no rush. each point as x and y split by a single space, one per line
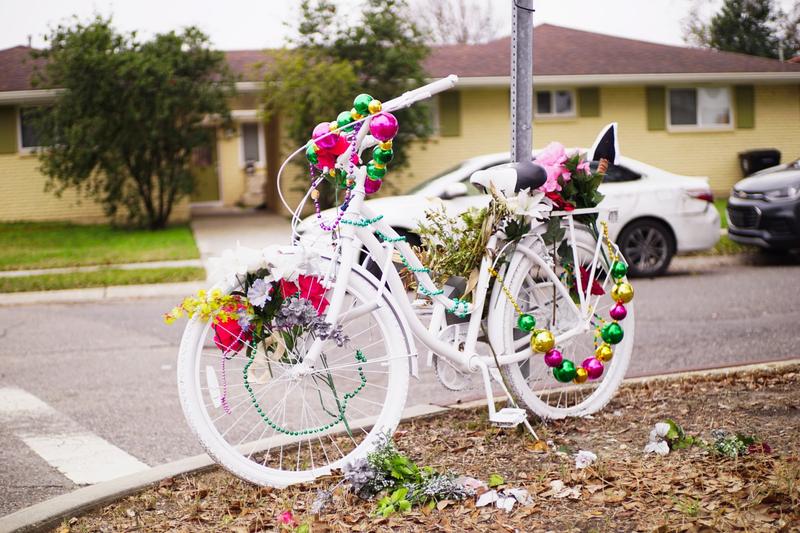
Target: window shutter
8 130
744 102
656 108
589 102
450 114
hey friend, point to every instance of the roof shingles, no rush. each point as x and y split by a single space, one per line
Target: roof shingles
557 51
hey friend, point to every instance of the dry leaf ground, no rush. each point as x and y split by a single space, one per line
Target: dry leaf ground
625 490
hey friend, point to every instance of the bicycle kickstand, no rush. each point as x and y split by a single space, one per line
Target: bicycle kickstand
507 417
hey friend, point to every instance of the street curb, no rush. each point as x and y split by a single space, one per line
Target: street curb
96 268
99 294
47 514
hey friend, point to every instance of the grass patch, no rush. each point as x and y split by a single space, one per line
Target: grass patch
100 278
721 204
29 245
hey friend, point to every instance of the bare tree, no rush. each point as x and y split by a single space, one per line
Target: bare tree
457 21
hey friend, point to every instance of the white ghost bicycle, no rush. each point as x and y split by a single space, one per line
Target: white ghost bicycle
282 394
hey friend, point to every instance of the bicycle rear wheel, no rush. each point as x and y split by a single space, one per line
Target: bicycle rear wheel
532 381
270 425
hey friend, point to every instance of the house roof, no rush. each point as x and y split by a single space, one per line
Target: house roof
558 52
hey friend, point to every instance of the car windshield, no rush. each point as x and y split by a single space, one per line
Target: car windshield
419 186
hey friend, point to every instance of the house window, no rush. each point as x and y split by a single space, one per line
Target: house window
700 108
29 138
559 103
252 144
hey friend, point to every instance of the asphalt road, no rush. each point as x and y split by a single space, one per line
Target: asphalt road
107 370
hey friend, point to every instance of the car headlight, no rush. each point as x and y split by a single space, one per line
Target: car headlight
785 193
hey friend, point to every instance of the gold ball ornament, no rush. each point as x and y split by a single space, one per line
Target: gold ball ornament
385 145
604 353
622 292
355 115
543 341
333 126
315 194
581 375
374 106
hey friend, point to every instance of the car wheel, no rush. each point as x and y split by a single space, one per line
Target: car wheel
648 246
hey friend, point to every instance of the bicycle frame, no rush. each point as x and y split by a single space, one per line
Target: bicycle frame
353 238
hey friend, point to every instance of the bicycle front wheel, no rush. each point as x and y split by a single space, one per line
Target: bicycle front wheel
265 422
532 381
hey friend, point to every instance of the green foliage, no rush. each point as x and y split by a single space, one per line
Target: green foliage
755 27
132 112
375 49
495 480
395 502
100 278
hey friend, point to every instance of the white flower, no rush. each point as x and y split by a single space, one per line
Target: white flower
584 458
661 447
259 292
235 263
659 432
288 262
528 204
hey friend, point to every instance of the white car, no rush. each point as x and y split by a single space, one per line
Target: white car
660 213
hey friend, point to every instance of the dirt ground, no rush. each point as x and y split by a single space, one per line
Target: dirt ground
624 490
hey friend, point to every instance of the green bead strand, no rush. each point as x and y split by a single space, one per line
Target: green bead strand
360 357
363 223
425 292
386 238
411 268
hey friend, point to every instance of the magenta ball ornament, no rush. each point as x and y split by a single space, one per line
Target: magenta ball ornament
553 358
383 126
320 130
372 186
593 367
618 312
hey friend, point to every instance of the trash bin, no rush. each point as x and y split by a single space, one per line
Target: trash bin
752 161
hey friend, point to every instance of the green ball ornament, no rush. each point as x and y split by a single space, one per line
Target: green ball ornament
612 333
311 154
375 172
566 372
526 322
343 119
382 156
619 270
361 103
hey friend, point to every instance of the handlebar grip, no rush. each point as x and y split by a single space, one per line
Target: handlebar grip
421 93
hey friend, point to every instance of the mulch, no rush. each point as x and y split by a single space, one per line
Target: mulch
624 490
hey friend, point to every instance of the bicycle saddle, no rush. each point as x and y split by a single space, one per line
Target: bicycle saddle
510 178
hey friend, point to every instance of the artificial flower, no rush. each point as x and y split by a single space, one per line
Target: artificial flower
286 518
597 288
309 288
584 166
260 291
229 336
289 262
233 264
528 204
658 439
552 159
559 201
584 458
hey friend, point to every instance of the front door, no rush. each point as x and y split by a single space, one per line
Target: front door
204 169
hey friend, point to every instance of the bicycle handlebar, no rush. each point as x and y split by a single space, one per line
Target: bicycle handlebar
421 93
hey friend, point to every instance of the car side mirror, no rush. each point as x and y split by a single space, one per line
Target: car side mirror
454 190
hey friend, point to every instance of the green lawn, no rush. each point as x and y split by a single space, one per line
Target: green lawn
30 245
100 278
721 204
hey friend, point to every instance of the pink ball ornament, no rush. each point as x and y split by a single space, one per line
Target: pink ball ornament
372 186
553 358
618 312
383 126
593 367
328 142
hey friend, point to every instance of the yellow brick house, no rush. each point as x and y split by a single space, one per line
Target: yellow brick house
690 111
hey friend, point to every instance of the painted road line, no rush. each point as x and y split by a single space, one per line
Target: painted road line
79 454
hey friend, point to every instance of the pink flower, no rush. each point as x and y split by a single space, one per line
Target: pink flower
583 166
229 336
552 158
309 288
286 518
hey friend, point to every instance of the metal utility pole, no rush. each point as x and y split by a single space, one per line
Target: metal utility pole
521 80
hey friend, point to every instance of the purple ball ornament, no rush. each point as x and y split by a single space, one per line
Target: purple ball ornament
383 126
326 143
593 367
372 186
618 312
553 358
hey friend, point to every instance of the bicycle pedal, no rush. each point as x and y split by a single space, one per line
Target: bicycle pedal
508 417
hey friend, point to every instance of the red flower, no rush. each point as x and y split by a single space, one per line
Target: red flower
597 289
759 447
307 287
559 201
229 336
286 518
